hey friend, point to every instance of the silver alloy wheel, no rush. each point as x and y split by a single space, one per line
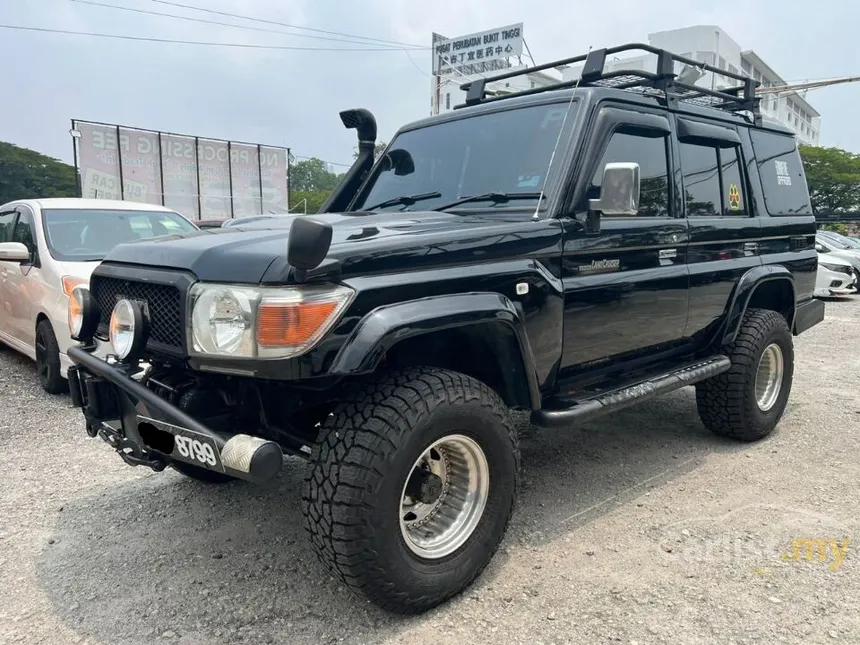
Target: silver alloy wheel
768 378
435 528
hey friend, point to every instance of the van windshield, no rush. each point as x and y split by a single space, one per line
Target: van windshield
86 235
506 152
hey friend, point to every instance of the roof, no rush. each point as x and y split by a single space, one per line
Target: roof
756 60
72 203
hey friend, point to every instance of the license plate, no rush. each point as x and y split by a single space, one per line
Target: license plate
191 446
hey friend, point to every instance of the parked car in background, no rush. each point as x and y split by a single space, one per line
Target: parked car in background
835 277
836 245
211 223
47 248
239 221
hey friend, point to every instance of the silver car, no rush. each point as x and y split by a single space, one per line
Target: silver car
47 248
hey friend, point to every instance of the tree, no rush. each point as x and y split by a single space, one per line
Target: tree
27 174
836 227
833 176
312 176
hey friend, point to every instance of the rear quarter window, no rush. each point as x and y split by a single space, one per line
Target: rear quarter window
781 170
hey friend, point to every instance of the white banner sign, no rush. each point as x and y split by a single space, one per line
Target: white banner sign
482 47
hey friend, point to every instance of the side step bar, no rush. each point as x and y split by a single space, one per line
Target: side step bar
571 410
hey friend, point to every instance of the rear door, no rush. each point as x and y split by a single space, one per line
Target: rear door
625 287
7 226
24 284
724 234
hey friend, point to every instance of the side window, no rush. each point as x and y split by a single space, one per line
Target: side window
782 177
23 233
650 154
700 165
7 220
713 182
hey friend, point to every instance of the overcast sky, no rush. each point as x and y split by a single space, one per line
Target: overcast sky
292 98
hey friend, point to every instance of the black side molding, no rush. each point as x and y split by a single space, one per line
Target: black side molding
808 314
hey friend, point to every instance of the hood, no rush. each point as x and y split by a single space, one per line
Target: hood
361 243
829 258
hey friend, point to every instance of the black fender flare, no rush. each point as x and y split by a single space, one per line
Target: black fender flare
744 290
387 325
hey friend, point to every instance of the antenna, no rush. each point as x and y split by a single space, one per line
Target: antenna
535 216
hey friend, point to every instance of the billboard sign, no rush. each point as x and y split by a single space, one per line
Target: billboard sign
477 50
199 177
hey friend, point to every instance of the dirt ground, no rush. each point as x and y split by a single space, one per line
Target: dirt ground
638 528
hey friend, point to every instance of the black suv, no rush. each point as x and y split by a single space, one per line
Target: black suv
566 250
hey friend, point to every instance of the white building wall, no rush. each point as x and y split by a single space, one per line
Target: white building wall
711 45
449 94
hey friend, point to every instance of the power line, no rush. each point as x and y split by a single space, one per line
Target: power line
197 42
215 22
284 24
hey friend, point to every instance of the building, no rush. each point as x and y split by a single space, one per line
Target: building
447 94
704 43
713 46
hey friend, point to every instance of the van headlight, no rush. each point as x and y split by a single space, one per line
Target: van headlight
262 322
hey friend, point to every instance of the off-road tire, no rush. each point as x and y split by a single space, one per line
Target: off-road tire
48 365
727 402
366 450
201 474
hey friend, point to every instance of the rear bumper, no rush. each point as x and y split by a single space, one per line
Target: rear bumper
147 430
808 314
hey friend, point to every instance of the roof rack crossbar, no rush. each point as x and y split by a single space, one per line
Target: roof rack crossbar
662 84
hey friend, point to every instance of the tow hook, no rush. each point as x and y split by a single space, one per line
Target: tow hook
123 445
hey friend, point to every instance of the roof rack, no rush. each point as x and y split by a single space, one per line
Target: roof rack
661 84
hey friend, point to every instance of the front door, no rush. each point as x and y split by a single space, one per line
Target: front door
24 281
626 288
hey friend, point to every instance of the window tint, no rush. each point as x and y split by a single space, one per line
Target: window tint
701 180
504 152
713 181
23 233
782 177
650 154
6 222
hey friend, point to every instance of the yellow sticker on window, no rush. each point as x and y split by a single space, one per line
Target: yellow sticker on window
734 197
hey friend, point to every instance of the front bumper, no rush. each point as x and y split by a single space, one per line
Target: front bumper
147 430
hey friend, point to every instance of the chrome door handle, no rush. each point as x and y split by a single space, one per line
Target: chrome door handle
750 246
666 254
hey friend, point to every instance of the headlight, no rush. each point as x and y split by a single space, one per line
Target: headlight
262 322
127 333
832 267
83 314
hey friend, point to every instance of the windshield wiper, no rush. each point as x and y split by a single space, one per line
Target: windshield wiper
405 200
496 198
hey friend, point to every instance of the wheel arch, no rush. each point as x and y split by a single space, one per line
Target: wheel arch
764 287
479 334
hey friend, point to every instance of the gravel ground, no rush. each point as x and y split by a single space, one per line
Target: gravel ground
638 528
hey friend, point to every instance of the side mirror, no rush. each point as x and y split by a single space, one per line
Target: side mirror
308 245
14 252
620 192
820 247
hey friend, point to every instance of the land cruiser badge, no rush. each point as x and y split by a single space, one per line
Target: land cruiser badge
600 265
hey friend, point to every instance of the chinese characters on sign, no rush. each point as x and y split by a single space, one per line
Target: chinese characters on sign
485 50
198 177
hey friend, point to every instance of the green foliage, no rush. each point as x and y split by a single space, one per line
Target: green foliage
27 174
314 199
312 175
833 176
836 227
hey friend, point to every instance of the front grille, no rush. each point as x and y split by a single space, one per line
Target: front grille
163 303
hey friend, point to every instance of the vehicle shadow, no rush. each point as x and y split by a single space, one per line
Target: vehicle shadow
166 558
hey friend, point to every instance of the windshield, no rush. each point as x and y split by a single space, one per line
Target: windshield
82 235
838 238
835 242
503 152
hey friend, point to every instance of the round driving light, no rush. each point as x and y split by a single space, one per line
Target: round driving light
83 315
126 329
